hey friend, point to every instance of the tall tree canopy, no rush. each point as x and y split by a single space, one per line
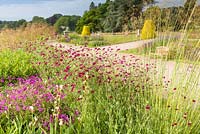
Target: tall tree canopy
189 6
52 20
92 5
66 21
112 16
38 19
93 18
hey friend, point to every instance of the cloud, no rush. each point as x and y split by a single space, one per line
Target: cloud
26 9
14 10
169 3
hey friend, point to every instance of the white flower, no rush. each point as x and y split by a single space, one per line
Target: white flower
57 108
60 122
31 108
61 87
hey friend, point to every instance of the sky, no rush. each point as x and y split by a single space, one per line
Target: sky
26 9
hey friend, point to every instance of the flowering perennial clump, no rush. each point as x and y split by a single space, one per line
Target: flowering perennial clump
77 89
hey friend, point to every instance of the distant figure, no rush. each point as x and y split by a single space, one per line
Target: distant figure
138 33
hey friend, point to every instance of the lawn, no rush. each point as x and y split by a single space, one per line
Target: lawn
121 38
98 40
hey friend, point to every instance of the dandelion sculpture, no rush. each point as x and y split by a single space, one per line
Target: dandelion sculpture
148 30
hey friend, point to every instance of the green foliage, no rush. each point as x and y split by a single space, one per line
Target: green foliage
149 30
15 64
120 13
92 5
52 20
170 18
188 7
154 14
13 24
76 39
195 20
37 19
90 18
66 21
112 16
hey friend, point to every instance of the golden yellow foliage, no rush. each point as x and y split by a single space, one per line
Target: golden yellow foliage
148 30
14 39
86 31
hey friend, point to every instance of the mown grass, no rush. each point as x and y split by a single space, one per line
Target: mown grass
121 38
103 39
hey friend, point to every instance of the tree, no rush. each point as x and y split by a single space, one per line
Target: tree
66 21
62 21
21 23
92 5
73 22
37 19
52 20
112 16
188 8
176 18
153 13
91 19
195 21
120 13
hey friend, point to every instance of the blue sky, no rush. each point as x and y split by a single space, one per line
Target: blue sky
26 9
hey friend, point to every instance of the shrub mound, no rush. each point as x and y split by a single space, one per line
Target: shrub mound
148 30
86 31
15 64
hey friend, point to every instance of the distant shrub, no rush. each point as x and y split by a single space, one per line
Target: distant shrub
86 31
15 64
98 43
148 30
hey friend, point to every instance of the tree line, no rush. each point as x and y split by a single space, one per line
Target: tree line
119 16
128 15
56 20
